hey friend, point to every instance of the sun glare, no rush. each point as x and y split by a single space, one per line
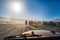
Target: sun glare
16 7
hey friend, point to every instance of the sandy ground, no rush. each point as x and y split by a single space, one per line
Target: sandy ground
15 29
8 30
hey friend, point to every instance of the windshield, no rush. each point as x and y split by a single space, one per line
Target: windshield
19 16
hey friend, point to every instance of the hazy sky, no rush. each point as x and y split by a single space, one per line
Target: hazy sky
30 9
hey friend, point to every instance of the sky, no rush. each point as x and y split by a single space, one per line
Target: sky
30 9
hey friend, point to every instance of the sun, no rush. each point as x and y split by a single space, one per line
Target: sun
16 7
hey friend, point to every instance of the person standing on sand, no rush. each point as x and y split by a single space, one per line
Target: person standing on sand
25 22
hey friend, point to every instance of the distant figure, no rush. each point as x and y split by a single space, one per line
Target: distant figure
26 22
53 32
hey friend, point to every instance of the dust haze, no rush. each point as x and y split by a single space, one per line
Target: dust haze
12 26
